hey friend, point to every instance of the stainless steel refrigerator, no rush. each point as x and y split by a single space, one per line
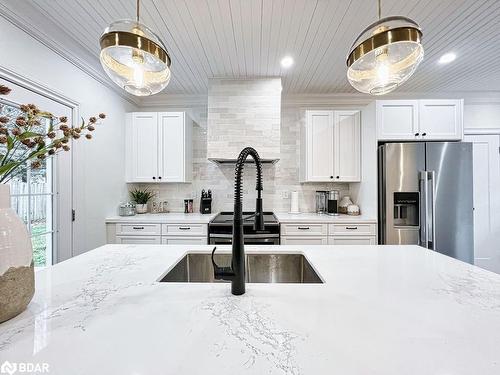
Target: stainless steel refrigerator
425 196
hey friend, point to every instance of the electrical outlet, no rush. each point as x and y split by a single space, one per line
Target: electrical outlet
285 194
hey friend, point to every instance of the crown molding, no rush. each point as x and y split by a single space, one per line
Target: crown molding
69 56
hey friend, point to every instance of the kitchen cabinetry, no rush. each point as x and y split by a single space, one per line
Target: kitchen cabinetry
331 147
158 147
419 120
351 233
155 233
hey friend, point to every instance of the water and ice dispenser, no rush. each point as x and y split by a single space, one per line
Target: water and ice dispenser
406 209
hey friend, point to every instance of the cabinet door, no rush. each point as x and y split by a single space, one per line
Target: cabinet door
320 156
347 146
184 240
441 119
142 147
138 240
172 139
304 241
397 119
351 240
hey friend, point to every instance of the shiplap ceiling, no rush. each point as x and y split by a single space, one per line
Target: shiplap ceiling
247 38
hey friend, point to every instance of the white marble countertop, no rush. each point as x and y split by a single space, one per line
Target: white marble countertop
311 217
383 310
171 217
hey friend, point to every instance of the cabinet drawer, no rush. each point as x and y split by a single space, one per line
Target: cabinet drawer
138 229
138 240
304 240
184 229
351 240
184 240
352 229
304 229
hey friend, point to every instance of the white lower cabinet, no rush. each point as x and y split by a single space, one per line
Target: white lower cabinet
138 240
352 233
155 233
304 240
339 240
184 240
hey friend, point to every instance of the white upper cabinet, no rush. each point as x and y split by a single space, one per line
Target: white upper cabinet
331 147
158 147
420 120
441 119
397 119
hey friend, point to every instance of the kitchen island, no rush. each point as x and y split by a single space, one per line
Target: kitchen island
381 310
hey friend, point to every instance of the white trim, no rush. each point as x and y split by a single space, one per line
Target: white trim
482 131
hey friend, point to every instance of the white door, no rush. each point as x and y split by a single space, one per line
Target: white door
142 138
347 146
320 129
172 143
440 119
397 120
486 164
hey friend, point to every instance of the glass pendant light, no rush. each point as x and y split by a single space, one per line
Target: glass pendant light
385 55
134 57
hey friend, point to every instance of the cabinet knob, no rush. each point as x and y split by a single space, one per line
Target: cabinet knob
424 134
154 178
337 177
331 176
416 134
159 178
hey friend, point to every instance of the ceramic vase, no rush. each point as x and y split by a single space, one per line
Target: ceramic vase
141 208
17 276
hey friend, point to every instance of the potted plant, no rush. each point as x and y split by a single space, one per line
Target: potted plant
28 135
141 199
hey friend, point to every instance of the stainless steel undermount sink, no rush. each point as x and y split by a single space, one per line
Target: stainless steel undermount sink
260 268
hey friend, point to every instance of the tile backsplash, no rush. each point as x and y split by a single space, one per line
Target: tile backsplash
279 179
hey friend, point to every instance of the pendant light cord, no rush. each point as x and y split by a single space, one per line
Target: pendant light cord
379 9
137 10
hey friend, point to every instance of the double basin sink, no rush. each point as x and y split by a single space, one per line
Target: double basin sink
260 268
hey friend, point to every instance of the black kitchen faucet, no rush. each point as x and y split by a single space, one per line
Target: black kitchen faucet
236 272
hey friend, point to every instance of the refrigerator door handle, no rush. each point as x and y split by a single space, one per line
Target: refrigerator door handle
424 204
432 178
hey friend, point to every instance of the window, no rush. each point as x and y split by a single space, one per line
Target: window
32 197
42 197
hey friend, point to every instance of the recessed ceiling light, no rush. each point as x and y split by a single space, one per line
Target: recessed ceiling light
447 58
286 62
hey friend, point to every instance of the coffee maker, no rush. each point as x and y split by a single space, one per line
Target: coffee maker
333 202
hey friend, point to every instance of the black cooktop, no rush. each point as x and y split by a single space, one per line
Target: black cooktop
227 218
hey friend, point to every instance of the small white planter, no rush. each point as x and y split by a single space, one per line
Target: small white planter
141 208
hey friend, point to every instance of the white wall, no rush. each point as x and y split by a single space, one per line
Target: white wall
98 164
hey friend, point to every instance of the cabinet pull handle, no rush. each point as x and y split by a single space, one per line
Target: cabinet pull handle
417 134
137 227
424 134
184 228
303 228
351 228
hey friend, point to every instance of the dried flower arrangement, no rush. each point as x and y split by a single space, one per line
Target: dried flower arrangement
22 140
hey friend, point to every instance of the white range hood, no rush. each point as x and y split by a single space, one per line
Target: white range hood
242 113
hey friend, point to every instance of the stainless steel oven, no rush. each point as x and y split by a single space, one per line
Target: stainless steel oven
220 230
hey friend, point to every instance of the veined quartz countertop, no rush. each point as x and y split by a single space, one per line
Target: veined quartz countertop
171 217
311 217
383 310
